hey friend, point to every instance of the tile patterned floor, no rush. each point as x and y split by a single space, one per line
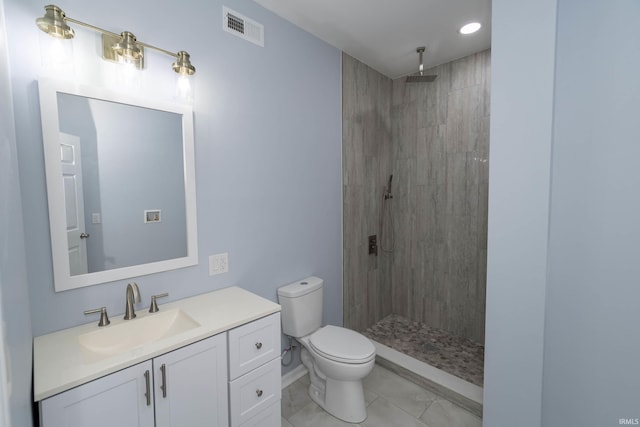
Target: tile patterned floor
458 356
391 400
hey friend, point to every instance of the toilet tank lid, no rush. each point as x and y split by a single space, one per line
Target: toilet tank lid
301 287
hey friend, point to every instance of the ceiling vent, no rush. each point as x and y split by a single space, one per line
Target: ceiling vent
241 26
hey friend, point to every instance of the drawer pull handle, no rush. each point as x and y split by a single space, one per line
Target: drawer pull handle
258 345
163 387
259 392
148 388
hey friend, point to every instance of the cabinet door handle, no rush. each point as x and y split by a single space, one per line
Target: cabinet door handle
258 345
148 389
163 387
259 392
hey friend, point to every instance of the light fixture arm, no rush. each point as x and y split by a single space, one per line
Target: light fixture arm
166 52
109 33
91 27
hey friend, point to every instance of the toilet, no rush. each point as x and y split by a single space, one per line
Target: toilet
337 358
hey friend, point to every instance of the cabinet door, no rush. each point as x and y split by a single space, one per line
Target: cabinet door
120 399
191 385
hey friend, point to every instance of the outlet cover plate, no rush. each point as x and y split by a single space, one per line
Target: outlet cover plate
218 263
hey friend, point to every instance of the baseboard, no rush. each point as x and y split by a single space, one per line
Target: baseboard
293 375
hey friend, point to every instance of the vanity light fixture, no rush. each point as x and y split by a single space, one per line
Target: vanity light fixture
123 48
470 28
126 49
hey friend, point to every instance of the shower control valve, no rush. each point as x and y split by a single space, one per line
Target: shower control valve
373 245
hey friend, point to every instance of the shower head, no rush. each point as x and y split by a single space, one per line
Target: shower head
387 191
421 77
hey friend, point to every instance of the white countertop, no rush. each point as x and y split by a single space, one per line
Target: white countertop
59 362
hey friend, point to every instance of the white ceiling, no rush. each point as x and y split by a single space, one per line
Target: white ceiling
384 34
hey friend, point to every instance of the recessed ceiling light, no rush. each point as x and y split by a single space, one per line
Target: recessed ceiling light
470 28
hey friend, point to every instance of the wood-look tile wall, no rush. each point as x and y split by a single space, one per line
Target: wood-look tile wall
366 160
434 138
440 137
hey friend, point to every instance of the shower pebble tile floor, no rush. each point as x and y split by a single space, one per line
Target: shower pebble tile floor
392 401
456 355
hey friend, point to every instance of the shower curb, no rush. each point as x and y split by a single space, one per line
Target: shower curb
457 390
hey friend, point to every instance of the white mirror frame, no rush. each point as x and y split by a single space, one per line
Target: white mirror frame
63 280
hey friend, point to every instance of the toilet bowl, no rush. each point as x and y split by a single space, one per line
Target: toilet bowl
336 376
337 358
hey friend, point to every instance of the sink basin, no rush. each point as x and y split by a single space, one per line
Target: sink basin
115 339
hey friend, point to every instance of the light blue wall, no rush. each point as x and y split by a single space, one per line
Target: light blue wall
13 274
522 63
268 151
563 272
591 347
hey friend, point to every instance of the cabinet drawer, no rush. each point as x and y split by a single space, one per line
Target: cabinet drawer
253 344
254 392
269 417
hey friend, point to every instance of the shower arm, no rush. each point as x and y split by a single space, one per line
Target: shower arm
420 68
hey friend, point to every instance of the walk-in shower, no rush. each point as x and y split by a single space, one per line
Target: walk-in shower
415 173
439 348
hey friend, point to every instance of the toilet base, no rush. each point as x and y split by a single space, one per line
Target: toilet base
342 399
345 400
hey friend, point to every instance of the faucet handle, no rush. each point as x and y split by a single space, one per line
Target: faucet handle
104 319
153 308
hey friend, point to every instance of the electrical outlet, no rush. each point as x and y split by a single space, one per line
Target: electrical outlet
218 263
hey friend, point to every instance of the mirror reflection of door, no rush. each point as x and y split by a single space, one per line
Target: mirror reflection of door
74 202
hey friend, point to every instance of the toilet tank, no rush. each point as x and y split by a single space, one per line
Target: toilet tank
301 304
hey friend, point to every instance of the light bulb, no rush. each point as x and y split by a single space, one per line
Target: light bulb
184 91
128 77
56 54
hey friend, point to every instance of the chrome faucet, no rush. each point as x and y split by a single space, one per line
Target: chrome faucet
133 296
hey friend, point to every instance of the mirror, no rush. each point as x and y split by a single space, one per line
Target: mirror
120 184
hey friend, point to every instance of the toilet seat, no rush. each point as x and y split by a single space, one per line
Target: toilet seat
342 345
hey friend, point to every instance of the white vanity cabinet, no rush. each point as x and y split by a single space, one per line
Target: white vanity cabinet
255 373
119 399
187 387
222 368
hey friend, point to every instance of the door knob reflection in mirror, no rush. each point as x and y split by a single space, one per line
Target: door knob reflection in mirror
84 236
